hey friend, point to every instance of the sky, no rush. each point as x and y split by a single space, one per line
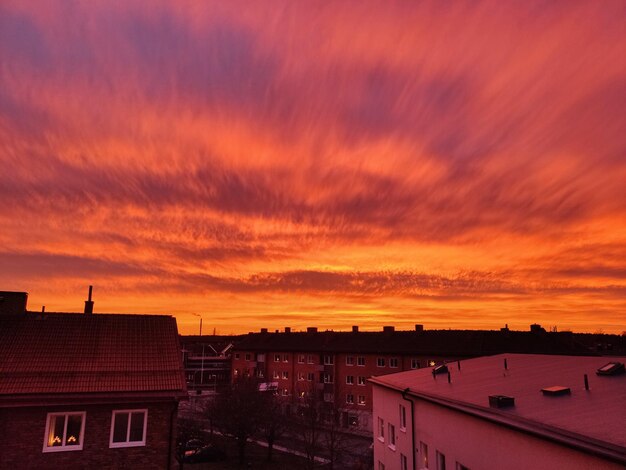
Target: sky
452 164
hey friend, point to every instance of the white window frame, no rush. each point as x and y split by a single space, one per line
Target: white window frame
404 462
301 376
300 358
329 360
360 361
381 429
402 411
64 447
310 376
392 436
141 443
328 378
285 375
285 357
349 379
393 362
349 360
361 400
380 362
276 357
415 364
350 399
248 357
309 359
361 382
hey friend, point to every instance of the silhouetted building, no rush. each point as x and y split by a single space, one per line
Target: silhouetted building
513 411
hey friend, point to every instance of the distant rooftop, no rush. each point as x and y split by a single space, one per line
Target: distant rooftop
68 353
594 417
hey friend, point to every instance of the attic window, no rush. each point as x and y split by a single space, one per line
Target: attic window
556 390
611 368
501 401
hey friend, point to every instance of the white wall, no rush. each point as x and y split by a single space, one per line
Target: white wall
475 443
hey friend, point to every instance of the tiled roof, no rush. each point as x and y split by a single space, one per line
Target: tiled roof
78 353
463 343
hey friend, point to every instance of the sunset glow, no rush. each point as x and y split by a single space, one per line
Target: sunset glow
459 165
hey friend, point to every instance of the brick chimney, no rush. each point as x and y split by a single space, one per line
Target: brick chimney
89 302
13 303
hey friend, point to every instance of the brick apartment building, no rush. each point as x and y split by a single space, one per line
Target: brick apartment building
87 390
337 365
207 362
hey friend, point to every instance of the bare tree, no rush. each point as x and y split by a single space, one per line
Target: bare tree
273 421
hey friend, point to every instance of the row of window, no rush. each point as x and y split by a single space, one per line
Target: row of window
330 360
350 399
65 431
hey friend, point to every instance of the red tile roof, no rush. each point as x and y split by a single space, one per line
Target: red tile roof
77 353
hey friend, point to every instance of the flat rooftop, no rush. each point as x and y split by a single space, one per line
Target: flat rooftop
595 414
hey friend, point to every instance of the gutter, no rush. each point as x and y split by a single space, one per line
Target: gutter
404 394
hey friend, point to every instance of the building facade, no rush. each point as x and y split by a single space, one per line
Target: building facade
506 411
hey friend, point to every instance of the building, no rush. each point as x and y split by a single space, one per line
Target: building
513 411
88 390
207 361
336 365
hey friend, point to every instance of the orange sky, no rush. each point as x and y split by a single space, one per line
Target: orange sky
455 164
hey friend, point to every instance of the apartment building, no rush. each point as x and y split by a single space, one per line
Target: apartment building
337 365
513 411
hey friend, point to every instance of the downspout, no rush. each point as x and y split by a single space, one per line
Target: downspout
404 393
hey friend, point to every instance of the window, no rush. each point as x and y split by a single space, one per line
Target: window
300 375
441 461
415 364
260 357
285 392
300 358
310 376
247 356
276 357
285 375
276 375
461 467
353 420
381 466
328 378
360 361
361 380
237 356
431 363
309 359
350 379
361 400
392 437
328 397
380 362
259 373
381 429
402 418
404 464
424 455
350 398
128 428
64 431
285 357
329 360
349 360
393 362
236 373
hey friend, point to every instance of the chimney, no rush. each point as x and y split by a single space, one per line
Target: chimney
89 302
388 329
287 329
419 327
311 329
355 329
13 303
263 330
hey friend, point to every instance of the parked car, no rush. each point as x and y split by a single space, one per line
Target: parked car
197 451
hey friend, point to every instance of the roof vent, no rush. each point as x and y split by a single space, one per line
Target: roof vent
388 329
556 390
311 329
501 401
611 368
355 329
419 327
263 330
440 369
287 329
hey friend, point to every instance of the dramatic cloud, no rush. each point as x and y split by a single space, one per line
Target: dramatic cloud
349 163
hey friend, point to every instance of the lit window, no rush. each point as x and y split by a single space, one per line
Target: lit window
402 418
393 362
404 464
276 374
300 358
328 360
236 373
441 461
286 358
237 356
415 364
361 380
361 400
285 392
392 437
64 431
276 357
285 375
360 361
309 359
424 454
350 379
260 373
128 428
310 376
300 375
380 362
381 429
349 360
349 398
